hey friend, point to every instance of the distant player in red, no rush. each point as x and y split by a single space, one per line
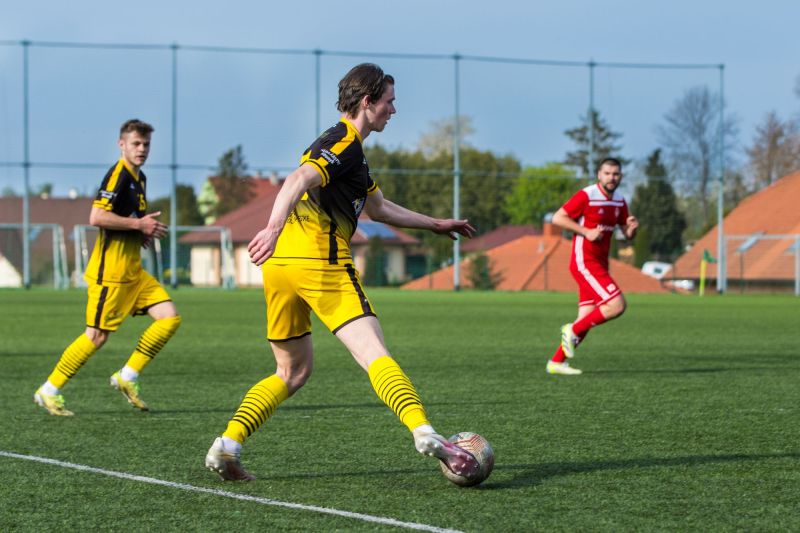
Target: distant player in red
592 215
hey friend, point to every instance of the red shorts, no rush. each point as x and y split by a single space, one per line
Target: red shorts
595 284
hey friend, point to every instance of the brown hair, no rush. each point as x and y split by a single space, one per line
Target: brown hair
366 79
613 161
134 124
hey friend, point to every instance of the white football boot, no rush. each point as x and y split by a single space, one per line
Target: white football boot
563 369
226 463
568 340
457 460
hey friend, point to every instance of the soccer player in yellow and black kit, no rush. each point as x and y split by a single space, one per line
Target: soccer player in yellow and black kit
307 266
118 285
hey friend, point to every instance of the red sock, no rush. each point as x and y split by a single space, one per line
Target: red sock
580 338
559 356
582 326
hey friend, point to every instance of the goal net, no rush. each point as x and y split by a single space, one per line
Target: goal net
763 262
47 260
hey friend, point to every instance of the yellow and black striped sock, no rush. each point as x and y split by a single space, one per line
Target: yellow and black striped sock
396 391
258 405
72 360
152 341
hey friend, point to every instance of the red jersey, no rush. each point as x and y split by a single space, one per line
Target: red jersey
592 208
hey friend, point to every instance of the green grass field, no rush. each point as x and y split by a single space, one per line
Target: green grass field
686 418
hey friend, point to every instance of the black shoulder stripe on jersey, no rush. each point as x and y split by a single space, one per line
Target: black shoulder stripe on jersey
326 178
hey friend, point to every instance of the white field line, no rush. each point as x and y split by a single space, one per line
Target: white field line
216 492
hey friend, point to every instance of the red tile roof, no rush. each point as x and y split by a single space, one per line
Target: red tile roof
536 263
258 185
498 236
774 210
244 222
66 212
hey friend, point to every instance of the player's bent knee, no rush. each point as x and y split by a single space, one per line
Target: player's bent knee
97 336
294 377
614 309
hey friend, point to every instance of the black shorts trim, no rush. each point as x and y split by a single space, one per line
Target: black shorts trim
101 302
99 329
352 320
290 338
337 260
143 310
365 306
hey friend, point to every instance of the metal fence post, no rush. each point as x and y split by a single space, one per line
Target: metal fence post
173 197
722 263
456 177
26 165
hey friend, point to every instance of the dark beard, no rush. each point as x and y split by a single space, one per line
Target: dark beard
609 192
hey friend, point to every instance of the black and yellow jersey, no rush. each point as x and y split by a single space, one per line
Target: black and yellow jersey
116 257
323 221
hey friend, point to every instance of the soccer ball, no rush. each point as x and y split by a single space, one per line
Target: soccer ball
481 449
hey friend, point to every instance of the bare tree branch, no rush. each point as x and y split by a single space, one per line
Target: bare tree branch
690 136
775 151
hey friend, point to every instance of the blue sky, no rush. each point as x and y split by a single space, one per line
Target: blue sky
266 102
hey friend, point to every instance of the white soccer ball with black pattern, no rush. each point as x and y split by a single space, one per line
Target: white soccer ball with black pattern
480 448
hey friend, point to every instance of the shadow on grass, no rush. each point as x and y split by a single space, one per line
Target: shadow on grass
315 407
701 370
667 371
533 474
29 353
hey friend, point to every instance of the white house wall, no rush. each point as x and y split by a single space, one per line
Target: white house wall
395 265
247 274
205 266
9 277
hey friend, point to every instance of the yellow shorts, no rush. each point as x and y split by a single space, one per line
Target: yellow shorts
333 292
109 305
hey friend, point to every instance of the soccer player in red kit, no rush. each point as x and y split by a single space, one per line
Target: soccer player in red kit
592 215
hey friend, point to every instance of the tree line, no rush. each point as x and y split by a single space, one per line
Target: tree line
673 187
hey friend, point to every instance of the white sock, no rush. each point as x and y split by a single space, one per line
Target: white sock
49 389
424 429
231 446
128 374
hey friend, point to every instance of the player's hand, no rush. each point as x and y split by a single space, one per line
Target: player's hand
631 225
451 227
151 227
146 242
262 246
593 234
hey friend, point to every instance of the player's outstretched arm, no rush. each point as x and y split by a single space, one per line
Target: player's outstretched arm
149 224
382 210
297 183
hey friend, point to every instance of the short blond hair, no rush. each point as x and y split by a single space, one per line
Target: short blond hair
134 124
